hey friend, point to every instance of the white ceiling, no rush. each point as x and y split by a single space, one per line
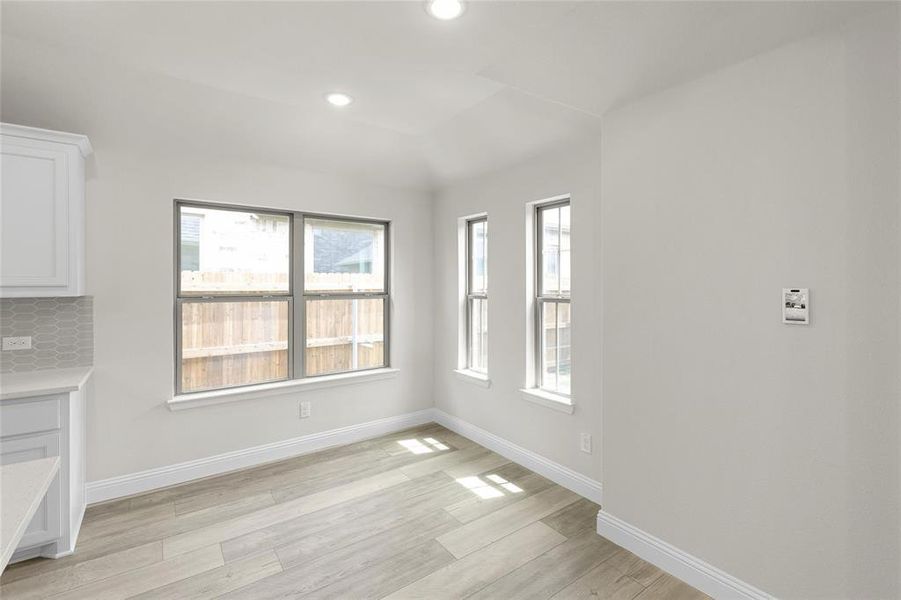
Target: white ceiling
435 101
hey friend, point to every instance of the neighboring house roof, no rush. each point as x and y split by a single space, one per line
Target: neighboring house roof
330 253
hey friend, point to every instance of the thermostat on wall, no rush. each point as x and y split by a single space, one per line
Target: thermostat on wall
796 306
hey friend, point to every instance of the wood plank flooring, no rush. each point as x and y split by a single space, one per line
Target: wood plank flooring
422 513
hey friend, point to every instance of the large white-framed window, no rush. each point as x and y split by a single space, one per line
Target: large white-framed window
477 295
552 283
266 296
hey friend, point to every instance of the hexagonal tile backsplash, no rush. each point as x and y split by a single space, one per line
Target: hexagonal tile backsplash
61 330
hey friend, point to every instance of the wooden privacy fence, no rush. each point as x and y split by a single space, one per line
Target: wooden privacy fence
344 335
239 282
241 342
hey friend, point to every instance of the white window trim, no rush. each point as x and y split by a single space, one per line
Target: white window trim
550 400
473 377
263 390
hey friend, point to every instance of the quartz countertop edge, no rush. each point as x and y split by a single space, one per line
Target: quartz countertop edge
42 383
24 485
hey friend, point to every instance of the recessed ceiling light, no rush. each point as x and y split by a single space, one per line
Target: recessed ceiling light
445 9
338 99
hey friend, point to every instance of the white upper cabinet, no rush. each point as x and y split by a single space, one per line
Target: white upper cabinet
42 233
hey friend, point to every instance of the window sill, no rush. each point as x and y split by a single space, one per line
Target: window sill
264 390
548 399
473 377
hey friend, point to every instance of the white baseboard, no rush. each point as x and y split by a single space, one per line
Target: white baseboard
580 484
152 479
26 554
45 551
690 569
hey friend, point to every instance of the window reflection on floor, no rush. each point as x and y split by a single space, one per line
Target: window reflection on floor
510 487
418 447
436 443
491 488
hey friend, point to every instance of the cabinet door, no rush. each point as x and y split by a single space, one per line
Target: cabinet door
34 230
45 526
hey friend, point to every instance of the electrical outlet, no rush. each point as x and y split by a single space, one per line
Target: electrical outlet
585 443
304 410
22 342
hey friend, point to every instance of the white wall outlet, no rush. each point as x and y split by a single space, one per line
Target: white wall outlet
304 410
585 443
22 342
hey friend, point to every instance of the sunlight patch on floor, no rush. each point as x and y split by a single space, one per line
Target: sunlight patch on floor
415 446
418 447
436 443
510 487
485 490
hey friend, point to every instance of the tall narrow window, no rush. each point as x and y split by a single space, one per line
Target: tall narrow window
553 323
477 295
345 295
234 299
237 322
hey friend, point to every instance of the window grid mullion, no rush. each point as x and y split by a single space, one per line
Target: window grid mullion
302 275
470 304
560 251
345 296
556 373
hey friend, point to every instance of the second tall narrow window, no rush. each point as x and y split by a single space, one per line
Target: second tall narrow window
553 323
477 295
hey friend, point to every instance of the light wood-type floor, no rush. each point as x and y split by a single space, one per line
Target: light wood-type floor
423 513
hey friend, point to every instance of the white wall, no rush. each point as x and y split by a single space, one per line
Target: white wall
500 408
130 190
130 275
768 450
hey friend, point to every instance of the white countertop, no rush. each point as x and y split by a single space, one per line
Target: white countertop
42 383
22 488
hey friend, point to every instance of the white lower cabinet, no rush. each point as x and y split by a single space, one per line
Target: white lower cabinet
45 527
39 427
